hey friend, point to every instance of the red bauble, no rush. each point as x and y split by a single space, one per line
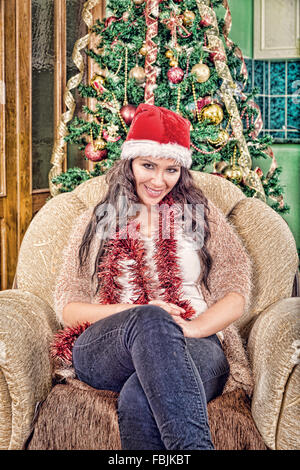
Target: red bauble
127 113
175 74
203 102
94 155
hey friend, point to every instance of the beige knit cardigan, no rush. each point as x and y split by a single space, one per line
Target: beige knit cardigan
231 272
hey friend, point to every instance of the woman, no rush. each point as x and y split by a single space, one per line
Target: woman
158 295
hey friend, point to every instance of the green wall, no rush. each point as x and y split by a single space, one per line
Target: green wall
287 155
288 158
242 24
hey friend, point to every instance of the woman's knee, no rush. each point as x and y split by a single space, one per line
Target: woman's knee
152 313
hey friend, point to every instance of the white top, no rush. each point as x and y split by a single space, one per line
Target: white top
189 263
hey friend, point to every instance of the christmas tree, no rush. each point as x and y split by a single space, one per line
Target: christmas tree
175 54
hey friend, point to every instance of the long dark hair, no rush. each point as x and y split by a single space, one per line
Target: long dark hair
121 182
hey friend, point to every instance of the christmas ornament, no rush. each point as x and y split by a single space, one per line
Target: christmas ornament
93 154
143 50
169 54
138 73
111 133
234 173
175 74
173 63
203 102
95 150
97 82
213 113
138 2
188 18
127 112
201 71
125 16
221 140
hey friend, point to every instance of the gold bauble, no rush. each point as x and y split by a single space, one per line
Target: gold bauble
213 112
143 50
97 82
188 17
173 63
202 72
222 138
138 2
138 73
169 54
234 173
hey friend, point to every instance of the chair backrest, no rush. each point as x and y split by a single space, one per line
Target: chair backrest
265 234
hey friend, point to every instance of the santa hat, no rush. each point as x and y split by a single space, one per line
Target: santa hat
158 132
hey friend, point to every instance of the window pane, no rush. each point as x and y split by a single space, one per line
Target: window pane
76 28
42 91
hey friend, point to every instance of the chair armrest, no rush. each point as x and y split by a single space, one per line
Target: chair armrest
27 324
273 348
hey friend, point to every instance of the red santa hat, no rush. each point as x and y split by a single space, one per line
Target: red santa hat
160 133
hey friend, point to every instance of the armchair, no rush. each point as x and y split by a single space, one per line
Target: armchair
270 326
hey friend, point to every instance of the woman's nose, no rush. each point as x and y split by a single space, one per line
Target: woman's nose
158 180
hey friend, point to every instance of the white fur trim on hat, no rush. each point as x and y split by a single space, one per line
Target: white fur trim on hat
151 148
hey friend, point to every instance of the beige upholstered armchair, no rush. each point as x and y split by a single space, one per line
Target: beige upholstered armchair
270 326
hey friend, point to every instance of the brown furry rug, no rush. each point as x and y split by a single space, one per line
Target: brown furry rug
76 416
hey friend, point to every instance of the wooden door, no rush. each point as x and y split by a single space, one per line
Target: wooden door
23 165
15 125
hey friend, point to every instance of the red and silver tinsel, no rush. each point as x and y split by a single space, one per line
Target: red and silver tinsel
123 247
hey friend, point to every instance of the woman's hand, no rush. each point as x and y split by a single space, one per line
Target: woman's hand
172 309
189 327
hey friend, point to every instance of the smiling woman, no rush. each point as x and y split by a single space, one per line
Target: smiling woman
153 312
154 178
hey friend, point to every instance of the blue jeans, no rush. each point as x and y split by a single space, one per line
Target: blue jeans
164 380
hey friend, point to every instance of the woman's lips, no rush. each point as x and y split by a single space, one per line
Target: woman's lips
153 193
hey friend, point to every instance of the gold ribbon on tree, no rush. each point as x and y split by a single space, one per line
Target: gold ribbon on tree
227 89
151 15
58 153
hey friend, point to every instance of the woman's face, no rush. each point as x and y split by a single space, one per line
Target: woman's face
154 177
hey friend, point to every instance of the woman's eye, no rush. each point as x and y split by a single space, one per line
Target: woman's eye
170 170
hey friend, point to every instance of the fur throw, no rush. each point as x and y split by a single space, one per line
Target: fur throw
76 416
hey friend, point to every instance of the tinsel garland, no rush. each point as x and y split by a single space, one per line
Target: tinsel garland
122 247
